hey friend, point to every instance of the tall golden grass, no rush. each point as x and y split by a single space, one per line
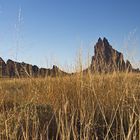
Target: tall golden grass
77 107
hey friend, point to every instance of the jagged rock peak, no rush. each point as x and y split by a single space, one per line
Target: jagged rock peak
102 40
55 67
99 40
107 59
105 41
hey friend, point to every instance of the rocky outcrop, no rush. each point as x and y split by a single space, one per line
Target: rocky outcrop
14 69
35 71
11 68
44 72
55 71
106 59
3 68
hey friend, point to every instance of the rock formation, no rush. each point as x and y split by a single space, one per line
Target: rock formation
3 68
13 69
106 59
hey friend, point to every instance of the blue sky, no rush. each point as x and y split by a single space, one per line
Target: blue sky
46 32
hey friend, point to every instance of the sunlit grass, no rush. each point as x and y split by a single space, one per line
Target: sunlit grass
77 107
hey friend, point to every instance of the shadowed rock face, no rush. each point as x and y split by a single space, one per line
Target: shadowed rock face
35 71
107 59
14 69
3 68
43 72
11 67
27 68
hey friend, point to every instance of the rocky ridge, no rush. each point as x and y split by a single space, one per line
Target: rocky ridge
12 69
105 60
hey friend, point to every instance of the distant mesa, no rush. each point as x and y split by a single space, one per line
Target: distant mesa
105 60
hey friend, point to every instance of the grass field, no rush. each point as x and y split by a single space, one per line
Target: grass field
78 107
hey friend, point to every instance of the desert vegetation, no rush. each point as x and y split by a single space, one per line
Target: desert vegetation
47 93
100 102
76 107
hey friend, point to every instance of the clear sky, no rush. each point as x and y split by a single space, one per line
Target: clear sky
43 32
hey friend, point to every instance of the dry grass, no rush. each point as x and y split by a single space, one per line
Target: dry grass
78 107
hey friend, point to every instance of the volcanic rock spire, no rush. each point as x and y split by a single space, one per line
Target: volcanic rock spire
107 59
